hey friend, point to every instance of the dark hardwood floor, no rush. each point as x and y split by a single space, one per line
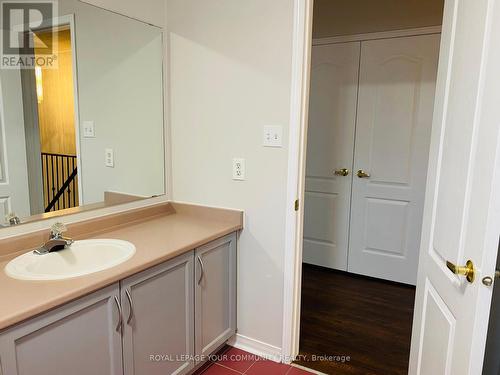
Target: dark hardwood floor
366 319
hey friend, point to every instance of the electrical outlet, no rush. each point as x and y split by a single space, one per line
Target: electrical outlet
109 158
88 129
238 169
273 136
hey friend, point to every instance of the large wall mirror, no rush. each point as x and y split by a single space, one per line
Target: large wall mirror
89 131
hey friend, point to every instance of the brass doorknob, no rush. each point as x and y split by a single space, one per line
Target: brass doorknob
342 172
467 270
363 174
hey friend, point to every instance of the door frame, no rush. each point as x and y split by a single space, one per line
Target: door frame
377 35
70 20
299 106
32 138
297 144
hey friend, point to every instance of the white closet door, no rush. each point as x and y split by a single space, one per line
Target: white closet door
332 117
396 97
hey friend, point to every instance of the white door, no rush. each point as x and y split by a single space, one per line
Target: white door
394 119
462 206
14 195
330 146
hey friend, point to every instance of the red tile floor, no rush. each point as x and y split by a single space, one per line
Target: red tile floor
235 361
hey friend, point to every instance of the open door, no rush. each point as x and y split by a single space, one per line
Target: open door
461 215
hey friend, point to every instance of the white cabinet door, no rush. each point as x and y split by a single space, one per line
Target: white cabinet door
80 338
215 294
462 205
158 307
396 96
330 147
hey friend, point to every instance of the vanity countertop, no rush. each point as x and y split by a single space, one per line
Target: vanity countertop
159 233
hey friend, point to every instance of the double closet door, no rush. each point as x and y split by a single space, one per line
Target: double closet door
370 117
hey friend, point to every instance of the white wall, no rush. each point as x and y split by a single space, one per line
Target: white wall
344 17
230 72
120 88
150 11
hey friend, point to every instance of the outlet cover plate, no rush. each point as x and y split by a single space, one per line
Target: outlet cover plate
88 129
273 136
109 158
238 169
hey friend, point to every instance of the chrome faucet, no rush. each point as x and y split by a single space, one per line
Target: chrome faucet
13 219
56 240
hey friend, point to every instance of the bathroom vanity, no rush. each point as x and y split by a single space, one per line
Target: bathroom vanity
148 290
163 311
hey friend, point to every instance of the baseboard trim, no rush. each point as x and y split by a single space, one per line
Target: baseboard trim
307 369
256 347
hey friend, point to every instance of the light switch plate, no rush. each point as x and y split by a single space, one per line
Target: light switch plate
273 136
109 157
88 129
238 169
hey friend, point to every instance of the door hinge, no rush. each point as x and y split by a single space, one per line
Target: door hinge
296 205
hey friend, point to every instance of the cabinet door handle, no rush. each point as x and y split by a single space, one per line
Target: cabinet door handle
120 319
202 269
131 305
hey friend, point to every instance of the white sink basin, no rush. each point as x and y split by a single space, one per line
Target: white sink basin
81 258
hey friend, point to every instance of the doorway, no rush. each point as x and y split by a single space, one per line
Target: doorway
371 106
370 116
56 119
50 108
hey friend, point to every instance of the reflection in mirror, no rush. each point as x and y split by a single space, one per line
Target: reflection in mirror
87 131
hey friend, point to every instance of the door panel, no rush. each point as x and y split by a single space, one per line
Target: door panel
215 294
462 206
79 338
332 117
394 118
396 214
161 319
14 194
436 342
